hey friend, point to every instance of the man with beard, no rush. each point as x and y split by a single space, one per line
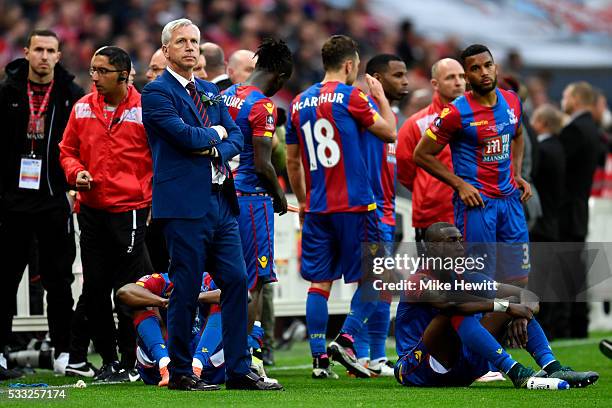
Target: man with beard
483 128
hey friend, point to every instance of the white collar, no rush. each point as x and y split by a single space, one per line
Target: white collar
543 137
576 114
181 79
219 78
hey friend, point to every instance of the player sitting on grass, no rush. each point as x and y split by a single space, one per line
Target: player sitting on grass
149 297
448 338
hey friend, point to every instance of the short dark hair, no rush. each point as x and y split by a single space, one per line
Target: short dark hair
472 50
336 50
117 57
433 232
41 33
274 56
380 63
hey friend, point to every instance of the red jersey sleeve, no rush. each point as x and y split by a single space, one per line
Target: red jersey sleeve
69 148
444 127
407 139
361 109
263 118
154 283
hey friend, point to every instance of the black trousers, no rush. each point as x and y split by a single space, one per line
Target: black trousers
112 246
156 246
54 232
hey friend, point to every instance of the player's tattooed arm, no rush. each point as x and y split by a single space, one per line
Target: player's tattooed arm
518 149
137 297
262 156
425 156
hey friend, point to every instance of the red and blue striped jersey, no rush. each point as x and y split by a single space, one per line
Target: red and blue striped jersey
382 169
255 114
480 139
327 121
161 285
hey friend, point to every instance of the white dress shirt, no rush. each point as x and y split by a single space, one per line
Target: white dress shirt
217 176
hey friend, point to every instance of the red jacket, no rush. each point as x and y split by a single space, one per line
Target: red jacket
431 198
115 151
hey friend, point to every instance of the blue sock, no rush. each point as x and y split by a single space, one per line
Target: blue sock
480 341
378 327
150 333
211 340
316 320
537 344
362 344
360 312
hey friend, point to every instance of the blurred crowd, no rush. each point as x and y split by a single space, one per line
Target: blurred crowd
134 25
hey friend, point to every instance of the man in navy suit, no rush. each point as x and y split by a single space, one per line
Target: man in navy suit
192 136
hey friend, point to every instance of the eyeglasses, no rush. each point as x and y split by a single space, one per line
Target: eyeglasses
102 71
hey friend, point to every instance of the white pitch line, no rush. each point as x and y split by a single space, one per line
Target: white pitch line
573 342
295 367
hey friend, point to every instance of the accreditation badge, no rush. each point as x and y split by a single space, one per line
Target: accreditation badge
36 128
30 172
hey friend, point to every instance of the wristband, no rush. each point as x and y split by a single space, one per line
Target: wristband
500 305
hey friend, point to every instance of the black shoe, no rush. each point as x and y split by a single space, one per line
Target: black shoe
123 376
342 350
322 368
252 381
605 346
295 332
9 374
520 375
190 383
267 356
86 370
106 371
575 379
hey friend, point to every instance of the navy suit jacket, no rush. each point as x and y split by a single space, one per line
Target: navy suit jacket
182 179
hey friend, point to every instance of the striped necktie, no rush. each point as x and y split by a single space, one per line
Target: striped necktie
202 111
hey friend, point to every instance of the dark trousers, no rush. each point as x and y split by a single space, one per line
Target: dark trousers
112 247
54 233
194 244
574 314
156 246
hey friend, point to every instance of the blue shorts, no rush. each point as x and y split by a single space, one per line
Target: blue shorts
256 223
499 230
418 368
331 245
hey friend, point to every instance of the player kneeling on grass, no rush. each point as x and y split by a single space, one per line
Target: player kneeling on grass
448 338
149 298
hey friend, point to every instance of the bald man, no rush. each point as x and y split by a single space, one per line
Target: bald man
240 65
215 65
431 198
156 66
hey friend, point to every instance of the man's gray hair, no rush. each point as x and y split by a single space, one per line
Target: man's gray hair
173 25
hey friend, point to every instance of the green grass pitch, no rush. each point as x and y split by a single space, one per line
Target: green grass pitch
302 391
